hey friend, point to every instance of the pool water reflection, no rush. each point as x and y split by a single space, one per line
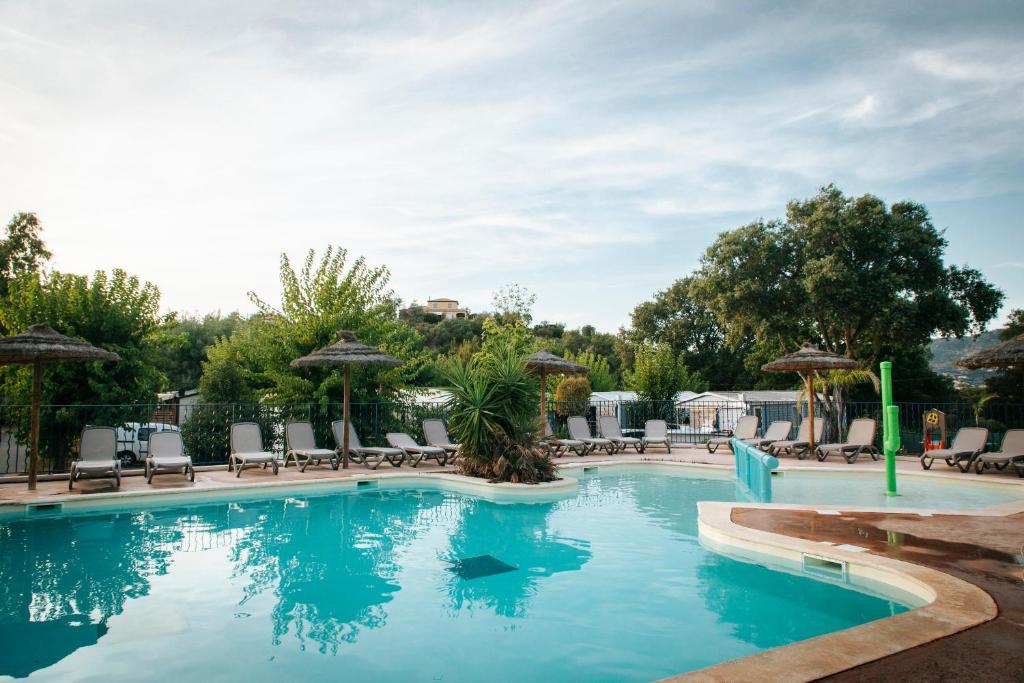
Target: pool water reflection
610 583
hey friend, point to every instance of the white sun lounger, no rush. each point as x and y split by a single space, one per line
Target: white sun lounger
415 452
371 457
557 446
301 448
97 456
746 428
247 449
655 432
801 445
610 429
579 430
968 444
167 456
435 433
1011 452
777 431
860 438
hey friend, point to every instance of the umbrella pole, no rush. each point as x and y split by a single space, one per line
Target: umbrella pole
346 417
543 403
810 408
37 391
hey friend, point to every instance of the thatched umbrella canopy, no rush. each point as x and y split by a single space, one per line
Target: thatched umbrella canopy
35 345
544 362
805 362
1007 354
345 353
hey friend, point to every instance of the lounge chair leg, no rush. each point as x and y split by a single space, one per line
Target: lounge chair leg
926 462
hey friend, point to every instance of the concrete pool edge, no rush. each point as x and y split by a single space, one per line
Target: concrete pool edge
953 605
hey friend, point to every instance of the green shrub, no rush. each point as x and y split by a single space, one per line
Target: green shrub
492 414
572 397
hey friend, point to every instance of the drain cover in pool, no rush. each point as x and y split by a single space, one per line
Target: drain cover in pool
482 565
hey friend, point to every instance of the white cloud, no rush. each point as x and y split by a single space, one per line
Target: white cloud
470 146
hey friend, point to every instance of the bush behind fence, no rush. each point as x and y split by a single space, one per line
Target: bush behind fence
205 427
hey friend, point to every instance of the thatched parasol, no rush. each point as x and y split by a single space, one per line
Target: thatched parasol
545 363
40 343
804 362
1004 355
345 353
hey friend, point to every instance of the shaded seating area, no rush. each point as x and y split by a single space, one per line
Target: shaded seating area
860 438
97 457
745 429
967 445
1011 452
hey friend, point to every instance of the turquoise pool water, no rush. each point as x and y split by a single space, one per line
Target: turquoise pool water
867 489
609 584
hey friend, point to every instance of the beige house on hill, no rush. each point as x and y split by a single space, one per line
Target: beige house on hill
447 308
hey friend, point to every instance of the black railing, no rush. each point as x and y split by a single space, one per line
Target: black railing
205 427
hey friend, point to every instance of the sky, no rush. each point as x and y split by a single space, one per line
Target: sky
589 151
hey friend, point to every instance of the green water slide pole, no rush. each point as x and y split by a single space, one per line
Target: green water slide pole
890 429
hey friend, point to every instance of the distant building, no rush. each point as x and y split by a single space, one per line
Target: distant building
446 308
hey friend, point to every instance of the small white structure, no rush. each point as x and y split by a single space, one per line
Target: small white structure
718 411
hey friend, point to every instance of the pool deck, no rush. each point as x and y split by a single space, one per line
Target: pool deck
971 564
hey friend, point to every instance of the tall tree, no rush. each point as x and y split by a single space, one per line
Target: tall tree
849 273
676 318
186 341
324 296
660 373
22 251
114 311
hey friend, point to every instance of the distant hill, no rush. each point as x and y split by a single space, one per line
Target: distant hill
946 352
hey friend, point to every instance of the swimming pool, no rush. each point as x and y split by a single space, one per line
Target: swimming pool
607 583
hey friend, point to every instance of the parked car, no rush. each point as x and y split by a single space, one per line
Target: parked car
133 440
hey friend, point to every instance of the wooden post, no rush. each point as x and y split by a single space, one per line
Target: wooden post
543 403
810 408
37 391
346 417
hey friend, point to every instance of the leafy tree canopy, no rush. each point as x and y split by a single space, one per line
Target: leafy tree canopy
186 341
660 373
325 296
113 311
849 273
676 318
22 251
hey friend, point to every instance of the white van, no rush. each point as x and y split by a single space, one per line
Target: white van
133 440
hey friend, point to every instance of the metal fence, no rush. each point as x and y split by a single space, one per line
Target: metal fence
205 427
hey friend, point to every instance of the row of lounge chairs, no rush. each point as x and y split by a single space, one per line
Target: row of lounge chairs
860 439
968 450
97 457
582 442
